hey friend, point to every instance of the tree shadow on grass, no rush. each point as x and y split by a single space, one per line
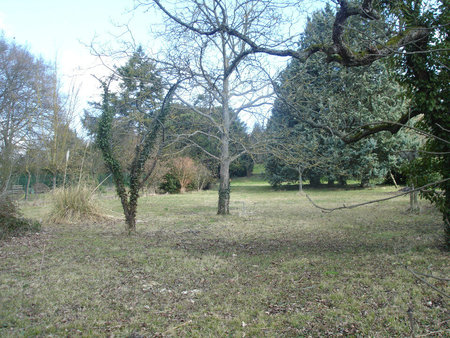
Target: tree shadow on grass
316 243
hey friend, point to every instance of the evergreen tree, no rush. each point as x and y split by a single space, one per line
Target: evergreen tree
317 101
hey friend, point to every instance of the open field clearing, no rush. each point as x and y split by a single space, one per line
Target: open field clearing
276 267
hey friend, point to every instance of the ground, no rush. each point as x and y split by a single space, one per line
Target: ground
276 267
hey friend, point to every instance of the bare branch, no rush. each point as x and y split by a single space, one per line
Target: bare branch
375 201
427 283
198 111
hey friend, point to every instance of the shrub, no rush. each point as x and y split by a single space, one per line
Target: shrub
11 221
170 184
202 178
183 169
185 174
74 204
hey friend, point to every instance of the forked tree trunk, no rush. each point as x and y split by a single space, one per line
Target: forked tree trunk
130 218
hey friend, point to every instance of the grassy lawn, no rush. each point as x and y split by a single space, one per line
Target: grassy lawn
276 267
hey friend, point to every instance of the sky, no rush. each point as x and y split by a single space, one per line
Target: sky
62 30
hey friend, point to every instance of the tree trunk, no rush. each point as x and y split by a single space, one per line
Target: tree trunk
300 179
5 184
413 203
6 167
342 181
130 218
225 160
131 206
364 182
330 182
224 188
314 181
54 181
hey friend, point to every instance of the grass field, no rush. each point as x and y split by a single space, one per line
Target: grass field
276 267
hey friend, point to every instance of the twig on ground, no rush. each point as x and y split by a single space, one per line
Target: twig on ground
432 333
429 284
177 327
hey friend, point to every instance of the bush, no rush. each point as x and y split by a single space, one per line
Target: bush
74 204
184 174
11 222
170 184
183 169
202 178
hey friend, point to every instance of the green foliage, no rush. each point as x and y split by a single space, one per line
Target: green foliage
319 102
242 166
423 70
170 184
11 221
277 172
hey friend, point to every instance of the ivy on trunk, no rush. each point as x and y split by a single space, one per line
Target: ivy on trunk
150 141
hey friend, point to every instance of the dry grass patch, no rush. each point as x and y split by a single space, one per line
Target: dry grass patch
74 205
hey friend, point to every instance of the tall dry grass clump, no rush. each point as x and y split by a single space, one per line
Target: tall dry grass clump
73 205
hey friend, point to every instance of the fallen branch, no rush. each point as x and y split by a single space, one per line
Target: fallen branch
431 276
425 282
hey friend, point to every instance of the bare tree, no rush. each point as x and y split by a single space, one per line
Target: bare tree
57 135
229 80
22 91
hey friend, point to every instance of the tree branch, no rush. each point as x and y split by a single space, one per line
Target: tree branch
375 201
